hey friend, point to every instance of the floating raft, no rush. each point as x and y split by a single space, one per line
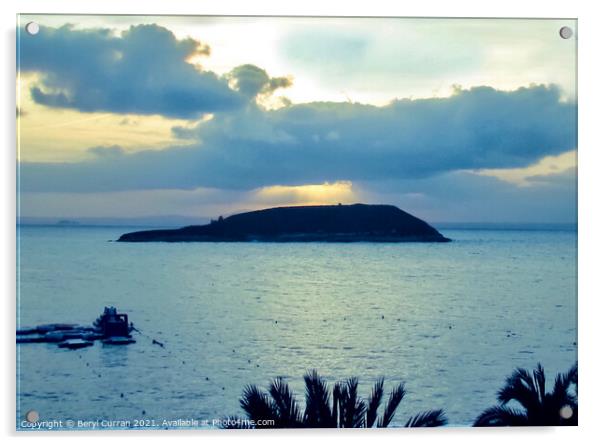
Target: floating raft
111 327
75 344
118 340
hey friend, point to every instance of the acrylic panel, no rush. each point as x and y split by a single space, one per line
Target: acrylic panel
290 222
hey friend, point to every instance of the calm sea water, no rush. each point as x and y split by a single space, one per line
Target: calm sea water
451 320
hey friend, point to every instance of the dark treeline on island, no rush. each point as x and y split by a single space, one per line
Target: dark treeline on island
329 223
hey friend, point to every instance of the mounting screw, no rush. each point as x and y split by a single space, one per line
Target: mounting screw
566 32
32 28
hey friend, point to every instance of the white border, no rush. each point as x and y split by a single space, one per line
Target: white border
590 221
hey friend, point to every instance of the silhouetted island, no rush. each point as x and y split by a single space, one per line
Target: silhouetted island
330 223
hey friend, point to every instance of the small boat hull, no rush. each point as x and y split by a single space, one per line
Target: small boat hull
75 344
118 341
31 339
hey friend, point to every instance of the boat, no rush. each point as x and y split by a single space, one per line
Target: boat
92 336
118 340
111 327
113 324
54 337
76 343
43 328
31 339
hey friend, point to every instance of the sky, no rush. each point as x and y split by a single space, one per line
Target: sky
453 120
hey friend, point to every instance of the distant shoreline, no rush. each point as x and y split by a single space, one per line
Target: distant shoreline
535 227
523 227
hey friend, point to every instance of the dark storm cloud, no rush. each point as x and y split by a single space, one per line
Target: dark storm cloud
143 70
317 142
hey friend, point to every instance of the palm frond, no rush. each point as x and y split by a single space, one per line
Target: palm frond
289 415
348 409
374 402
317 402
336 402
257 404
521 387
501 416
540 408
395 399
563 383
359 419
427 419
539 378
573 374
354 408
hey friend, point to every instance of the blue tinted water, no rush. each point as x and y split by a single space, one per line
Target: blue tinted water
451 320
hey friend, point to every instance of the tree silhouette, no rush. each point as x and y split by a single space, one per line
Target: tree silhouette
536 407
343 408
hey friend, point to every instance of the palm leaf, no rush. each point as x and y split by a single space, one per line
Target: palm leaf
317 402
539 407
348 410
374 402
343 406
573 374
354 408
521 387
336 402
257 404
563 383
428 419
395 399
501 416
289 415
539 378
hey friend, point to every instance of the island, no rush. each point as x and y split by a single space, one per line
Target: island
326 223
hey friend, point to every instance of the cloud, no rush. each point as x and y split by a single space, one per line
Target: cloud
203 202
102 151
144 70
544 167
558 180
470 197
377 59
252 81
450 197
480 128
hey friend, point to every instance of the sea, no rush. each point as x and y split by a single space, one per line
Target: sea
451 320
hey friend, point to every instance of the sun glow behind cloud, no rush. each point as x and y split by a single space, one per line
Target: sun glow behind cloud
526 176
312 194
202 203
